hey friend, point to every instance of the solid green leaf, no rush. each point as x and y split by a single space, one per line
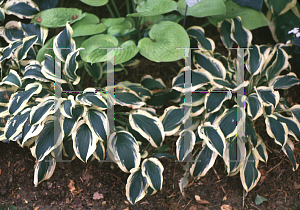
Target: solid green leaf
57 17
251 19
95 3
259 199
203 8
154 7
156 48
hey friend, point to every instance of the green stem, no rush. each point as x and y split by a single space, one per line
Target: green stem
205 24
138 28
127 7
121 122
115 7
103 80
80 87
147 148
133 5
95 83
122 113
110 11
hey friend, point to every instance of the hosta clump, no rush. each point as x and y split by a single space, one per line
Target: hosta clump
215 85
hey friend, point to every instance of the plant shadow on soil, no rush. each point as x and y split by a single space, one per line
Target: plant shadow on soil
279 184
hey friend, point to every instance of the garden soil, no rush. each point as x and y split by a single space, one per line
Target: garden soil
77 185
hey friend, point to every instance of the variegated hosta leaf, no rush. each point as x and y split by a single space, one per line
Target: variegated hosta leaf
19 100
12 78
279 64
234 156
255 60
152 84
213 137
34 71
71 66
249 173
255 106
84 141
15 124
197 99
12 32
241 35
136 186
48 69
44 169
250 132
125 150
66 106
141 91
152 169
64 40
288 149
210 64
203 162
268 95
21 8
98 123
284 81
261 151
228 121
21 52
48 106
172 119
8 51
199 78
34 29
46 142
292 124
204 43
214 100
68 150
30 131
183 182
90 97
185 144
128 98
150 127
213 116
280 7
224 28
99 153
296 112
3 111
276 129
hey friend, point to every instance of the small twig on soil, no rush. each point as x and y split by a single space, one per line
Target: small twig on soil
254 206
274 167
216 173
187 204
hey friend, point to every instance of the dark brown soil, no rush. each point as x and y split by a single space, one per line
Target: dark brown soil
279 184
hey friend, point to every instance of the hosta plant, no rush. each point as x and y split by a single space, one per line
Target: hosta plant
76 123
214 99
